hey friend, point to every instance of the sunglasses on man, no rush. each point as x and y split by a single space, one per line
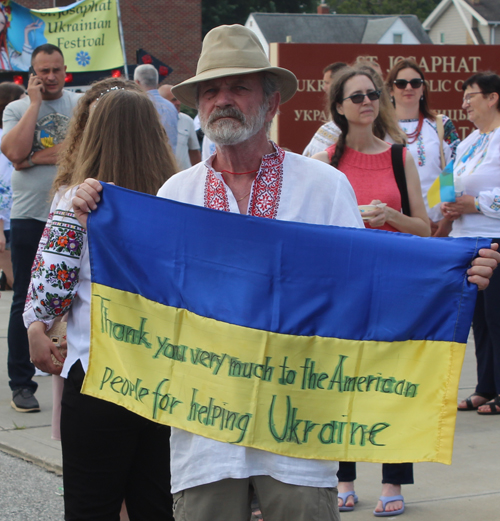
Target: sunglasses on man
373 95
415 83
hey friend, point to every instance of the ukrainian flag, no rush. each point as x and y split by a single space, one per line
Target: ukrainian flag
442 189
304 340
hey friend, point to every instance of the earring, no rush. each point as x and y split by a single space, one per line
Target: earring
422 98
392 100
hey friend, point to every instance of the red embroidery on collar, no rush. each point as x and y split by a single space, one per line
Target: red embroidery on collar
215 193
266 190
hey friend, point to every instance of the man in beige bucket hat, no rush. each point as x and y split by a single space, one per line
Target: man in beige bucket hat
237 93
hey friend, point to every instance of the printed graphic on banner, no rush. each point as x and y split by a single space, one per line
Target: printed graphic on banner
281 336
87 32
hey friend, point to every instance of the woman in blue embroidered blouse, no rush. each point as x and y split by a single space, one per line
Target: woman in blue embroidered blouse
476 173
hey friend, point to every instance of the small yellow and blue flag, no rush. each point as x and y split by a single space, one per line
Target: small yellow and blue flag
442 189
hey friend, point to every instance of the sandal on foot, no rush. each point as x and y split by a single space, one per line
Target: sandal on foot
470 405
344 496
493 407
390 499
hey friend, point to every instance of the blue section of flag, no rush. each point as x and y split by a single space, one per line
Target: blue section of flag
284 277
447 187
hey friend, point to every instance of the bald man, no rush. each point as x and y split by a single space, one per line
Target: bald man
188 146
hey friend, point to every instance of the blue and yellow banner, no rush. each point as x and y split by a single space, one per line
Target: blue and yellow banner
87 33
442 189
303 340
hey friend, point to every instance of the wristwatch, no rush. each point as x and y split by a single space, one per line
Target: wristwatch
30 161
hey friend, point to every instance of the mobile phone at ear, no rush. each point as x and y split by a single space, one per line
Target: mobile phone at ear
32 71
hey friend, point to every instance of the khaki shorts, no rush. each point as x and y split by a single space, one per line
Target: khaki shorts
229 500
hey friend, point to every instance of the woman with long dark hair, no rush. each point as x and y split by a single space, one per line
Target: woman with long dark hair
368 163
431 138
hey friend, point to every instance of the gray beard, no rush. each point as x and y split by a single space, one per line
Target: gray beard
232 131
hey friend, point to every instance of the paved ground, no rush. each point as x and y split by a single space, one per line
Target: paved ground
29 492
467 490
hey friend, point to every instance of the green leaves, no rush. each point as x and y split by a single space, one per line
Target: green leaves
420 8
219 12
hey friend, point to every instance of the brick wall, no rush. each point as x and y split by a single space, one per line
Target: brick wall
168 29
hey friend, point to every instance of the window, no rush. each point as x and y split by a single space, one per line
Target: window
441 38
397 38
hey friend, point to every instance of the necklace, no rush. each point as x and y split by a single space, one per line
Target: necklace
241 199
240 173
414 135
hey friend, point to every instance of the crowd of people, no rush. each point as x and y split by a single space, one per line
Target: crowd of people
372 165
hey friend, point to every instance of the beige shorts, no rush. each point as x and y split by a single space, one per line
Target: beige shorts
229 499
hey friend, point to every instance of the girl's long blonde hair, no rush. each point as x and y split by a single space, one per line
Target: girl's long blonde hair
125 143
77 124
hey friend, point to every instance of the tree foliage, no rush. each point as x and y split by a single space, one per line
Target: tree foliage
420 8
219 12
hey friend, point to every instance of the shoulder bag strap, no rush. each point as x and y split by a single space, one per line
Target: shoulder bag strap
399 173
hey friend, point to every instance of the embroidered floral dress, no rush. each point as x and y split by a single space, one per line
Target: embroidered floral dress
60 279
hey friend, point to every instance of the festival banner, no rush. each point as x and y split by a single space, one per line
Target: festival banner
303 340
87 33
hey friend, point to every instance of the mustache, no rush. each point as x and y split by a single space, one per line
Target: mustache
229 112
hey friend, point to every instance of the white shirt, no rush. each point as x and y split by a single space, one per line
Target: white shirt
325 136
303 190
207 148
6 169
477 171
426 153
186 140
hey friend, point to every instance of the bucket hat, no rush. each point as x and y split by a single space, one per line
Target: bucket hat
231 50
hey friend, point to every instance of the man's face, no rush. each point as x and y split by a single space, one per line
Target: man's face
327 81
51 70
232 109
166 92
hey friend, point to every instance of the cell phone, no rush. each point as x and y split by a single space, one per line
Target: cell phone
32 71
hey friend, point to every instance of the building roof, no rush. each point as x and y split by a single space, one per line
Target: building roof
488 9
332 28
376 28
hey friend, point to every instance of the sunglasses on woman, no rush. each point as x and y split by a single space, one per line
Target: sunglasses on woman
415 83
373 95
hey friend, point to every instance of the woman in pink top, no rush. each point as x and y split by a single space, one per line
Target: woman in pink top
366 159
367 162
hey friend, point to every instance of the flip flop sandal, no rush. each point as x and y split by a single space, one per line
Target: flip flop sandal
470 405
343 496
493 407
390 499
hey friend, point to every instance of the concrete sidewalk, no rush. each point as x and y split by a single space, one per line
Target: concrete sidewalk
467 490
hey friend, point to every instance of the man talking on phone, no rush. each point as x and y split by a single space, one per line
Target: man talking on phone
34 128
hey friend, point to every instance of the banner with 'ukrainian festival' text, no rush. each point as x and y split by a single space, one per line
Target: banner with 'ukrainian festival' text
303 340
87 33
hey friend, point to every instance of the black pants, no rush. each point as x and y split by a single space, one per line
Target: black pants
25 235
486 327
394 473
111 454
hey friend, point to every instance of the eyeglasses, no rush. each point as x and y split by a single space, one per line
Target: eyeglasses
467 97
415 83
373 95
